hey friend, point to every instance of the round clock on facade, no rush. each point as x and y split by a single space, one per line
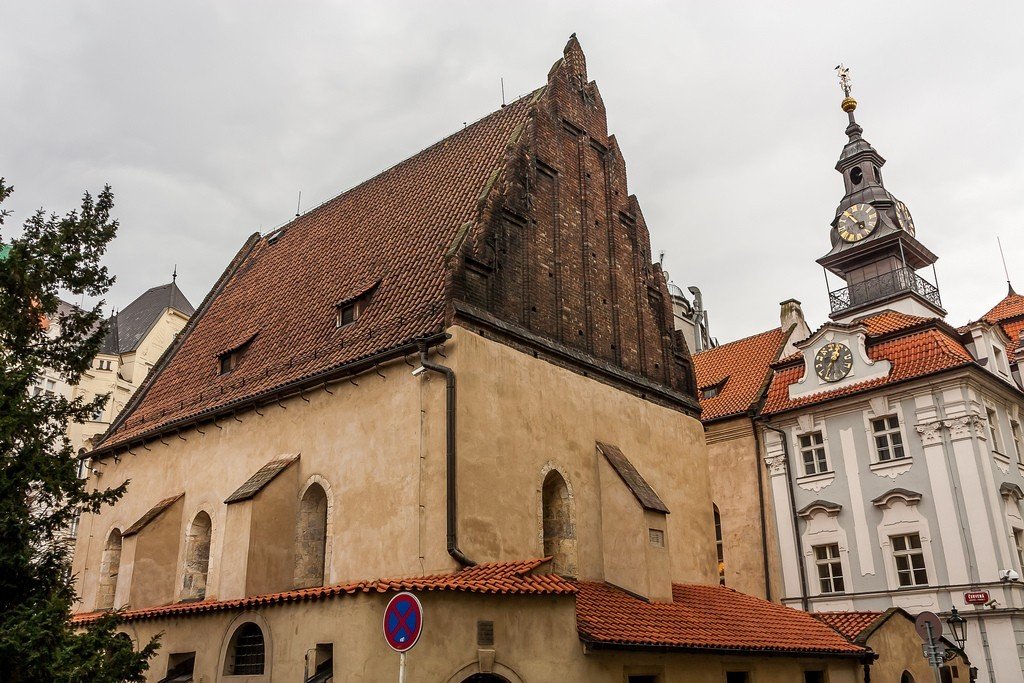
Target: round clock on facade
857 222
903 216
833 361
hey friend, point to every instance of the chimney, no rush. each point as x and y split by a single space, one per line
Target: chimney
791 317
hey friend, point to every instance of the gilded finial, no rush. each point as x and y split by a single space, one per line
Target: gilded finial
848 104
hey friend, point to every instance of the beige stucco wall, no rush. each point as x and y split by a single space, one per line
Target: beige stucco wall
733 462
899 649
520 414
124 377
379 444
535 641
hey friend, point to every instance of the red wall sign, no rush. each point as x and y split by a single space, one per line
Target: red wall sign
976 597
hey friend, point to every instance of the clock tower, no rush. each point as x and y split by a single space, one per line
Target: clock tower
875 250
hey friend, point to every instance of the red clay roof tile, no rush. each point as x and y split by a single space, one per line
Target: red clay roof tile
743 367
506 578
915 355
1011 306
394 228
849 624
702 618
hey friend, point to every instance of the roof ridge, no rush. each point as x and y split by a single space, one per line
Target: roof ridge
741 339
385 171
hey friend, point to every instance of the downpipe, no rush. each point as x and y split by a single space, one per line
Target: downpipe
804 600
451 491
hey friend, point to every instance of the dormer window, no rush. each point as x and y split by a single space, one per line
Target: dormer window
712 391
350 310
229 360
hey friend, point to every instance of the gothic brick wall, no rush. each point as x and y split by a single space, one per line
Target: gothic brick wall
563 249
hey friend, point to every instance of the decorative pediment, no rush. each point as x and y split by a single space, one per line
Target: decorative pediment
808 511
1010 490
835 357
886 499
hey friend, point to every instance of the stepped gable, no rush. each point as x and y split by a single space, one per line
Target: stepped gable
521 222
916 347
708 618
739 370
564 254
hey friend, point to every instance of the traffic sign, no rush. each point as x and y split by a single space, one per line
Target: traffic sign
403 622
924 619
976 597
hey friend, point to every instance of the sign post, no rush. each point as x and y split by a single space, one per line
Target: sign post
929 627
403 624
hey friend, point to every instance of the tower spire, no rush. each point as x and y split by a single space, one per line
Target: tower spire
849 105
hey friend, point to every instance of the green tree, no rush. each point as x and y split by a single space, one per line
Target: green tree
40 492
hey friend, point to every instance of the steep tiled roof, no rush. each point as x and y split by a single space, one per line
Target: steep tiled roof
915 355
701 618
505 578
394 229
1011 306
743 367
633 479
849 624
261 478
151 514
888 322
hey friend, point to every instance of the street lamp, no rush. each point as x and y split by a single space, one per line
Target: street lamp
958 627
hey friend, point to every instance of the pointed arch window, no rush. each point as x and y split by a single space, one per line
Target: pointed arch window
311 538
719 545
110 566
197 557
559 529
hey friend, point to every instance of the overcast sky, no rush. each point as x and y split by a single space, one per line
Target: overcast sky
208 118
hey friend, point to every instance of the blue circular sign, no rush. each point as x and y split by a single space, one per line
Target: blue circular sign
403 622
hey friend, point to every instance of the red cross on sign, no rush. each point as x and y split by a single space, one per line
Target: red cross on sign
403 622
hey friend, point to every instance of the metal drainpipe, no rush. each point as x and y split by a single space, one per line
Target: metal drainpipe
804 601
450 462
760 501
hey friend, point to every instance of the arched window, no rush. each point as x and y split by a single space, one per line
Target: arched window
246 652
906 677
311 538
719 545
197 558
559 530
110 565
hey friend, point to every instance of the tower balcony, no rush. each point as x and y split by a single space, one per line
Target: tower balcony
886 286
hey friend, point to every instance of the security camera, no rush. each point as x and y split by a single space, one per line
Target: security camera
1008 575
418 371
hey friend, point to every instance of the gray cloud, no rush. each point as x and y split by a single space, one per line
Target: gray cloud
208 118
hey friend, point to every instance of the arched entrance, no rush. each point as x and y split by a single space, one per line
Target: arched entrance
485 678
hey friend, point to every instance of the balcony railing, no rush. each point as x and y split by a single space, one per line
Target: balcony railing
882 287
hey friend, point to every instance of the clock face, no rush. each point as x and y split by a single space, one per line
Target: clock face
857 222
833 361
903 215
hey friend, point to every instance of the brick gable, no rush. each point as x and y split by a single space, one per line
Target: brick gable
523 216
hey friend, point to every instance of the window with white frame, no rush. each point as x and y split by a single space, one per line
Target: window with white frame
1018 540
830 568
888 438
1015 429
909 557
993 430
997 354
812 452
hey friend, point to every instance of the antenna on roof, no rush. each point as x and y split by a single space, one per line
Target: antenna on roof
503 91
1006 270
298 204
661 257
174 275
